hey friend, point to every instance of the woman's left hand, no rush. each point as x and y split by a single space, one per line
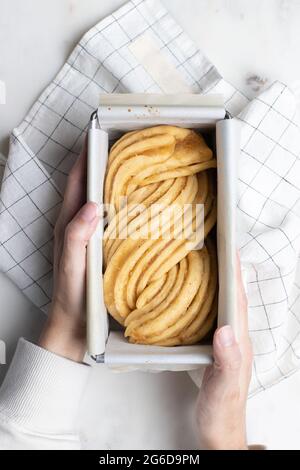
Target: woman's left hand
65 330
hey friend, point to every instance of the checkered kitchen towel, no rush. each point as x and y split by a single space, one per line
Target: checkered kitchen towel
46 144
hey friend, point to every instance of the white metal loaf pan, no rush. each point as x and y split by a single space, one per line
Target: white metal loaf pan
116 115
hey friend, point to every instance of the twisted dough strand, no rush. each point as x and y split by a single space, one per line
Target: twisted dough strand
161 289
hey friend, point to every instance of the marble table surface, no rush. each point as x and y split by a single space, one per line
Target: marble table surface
252 44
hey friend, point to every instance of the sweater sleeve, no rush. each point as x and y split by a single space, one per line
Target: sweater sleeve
39 400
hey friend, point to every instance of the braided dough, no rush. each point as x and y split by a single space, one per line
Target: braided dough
161 289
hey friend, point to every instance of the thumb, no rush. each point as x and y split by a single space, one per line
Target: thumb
82 227
227 353
77 235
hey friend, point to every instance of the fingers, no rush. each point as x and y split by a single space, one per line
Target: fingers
244 338
75 193
82 227
65 332
77 235
242 301
79 169
222 397
226 352
74 198
233 360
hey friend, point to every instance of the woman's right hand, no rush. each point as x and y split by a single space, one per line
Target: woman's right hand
221 407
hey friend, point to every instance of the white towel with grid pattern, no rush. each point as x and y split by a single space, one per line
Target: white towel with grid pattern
109 58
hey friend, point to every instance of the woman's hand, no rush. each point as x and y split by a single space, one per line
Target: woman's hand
65 330
221 407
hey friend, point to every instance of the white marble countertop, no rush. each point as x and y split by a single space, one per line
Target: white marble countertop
252 43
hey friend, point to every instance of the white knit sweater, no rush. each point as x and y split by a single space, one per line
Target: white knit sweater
39 401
